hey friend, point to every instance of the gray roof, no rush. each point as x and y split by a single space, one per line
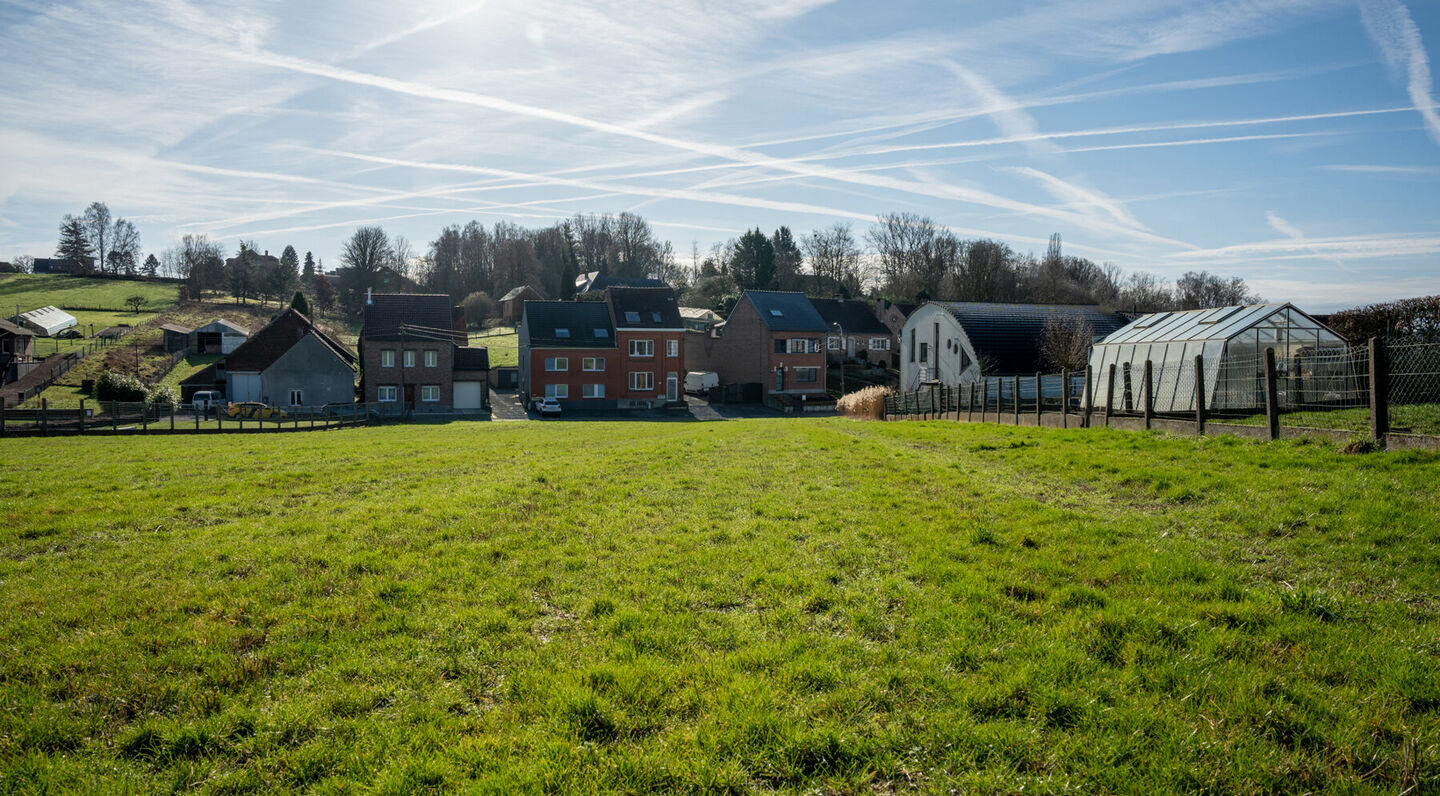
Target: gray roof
516 292
407 316
220 325
786 312
1008 337
18 331
599 283
569 324
1220 323
855 316
644 308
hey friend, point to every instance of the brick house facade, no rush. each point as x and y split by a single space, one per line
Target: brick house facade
409 346
772 338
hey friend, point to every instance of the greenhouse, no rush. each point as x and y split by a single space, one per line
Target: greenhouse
1311 360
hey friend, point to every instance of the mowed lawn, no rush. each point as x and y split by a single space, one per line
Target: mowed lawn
32 291
748 606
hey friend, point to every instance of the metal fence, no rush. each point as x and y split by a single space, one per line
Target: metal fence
1326 389
129 417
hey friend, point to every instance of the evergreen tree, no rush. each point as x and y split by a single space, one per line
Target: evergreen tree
299 304
151 266
242 274
324 293
74 243
787 259
283 278
308 275
753 263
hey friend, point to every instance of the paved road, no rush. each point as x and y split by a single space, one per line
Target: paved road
506 405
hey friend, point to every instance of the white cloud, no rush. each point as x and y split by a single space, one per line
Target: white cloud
1282 226
1392 30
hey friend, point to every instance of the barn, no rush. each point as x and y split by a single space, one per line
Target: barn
218 337
1231 342
48 321
958 342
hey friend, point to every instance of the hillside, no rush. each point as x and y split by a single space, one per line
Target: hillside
799 606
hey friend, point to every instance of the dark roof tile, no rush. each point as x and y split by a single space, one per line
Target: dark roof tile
1008 337
856 316
786 312
569 324
644 308
406 316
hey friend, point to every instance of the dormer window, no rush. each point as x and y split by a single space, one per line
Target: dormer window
632 317
562 333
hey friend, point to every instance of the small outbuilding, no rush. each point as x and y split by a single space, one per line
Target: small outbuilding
177 337
512 304
1231 342
218 337
48 321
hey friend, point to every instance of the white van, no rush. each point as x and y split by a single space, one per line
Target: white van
205 400
700 381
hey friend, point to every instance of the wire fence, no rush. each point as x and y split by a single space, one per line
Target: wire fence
135 417
1326 389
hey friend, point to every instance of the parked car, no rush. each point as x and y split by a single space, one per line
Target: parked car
548 407
204 401
253 410
700 381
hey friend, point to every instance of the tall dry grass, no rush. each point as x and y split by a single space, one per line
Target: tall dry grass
866 404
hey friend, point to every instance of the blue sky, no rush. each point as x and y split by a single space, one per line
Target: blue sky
1295 143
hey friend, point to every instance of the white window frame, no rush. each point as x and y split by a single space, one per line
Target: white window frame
387 393
557 391
297 397
797 345
640 349
430 393
592 391
432 358
592 364
832 343
649 381
672 348
557 364
387 358
409 358
815 372
879 344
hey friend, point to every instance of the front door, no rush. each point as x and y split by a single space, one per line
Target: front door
409 397
779 380
672 387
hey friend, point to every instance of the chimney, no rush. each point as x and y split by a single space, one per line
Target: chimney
368 302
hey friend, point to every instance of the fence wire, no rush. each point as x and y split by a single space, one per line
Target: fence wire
1414 388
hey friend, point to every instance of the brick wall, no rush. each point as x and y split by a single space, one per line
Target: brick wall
574 377
442 375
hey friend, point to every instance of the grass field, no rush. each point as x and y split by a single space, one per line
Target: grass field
1404 419
37 290
504 345
748 606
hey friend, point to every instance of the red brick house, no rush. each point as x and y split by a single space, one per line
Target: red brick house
626 352
773 338
413 356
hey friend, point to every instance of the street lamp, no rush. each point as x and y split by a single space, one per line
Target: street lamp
842 357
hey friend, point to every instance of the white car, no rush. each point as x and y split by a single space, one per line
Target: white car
205 400
548 406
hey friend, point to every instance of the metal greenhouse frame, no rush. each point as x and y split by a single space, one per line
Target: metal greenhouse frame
1231 342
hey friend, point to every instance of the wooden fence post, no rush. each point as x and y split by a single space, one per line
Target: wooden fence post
970 412
172 415
114 417
1199 395
2 417
1088 406
1015 397
82 415
1038 403
45 413
1379 391
1149 391
1110 395
1272 396
144 416
1064 398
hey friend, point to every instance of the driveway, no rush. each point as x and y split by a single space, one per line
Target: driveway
506 405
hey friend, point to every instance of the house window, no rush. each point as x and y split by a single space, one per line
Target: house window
799 345
297 398
409 358
642 348
557 363
432 359
807 375
642 380
430 393
924 352
592 391
672 348
912 345
655 316
632 317
779 345
562 333
602 333
386 393
557 391
387 359
879 344
964 360
832 343
593 364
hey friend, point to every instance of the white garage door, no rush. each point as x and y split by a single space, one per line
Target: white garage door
244 387
467 395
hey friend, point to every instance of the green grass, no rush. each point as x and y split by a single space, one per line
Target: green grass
504 345
748 606
1404 418
37 290
187 367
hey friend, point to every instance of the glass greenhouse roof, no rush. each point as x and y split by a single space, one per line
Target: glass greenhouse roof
1221 323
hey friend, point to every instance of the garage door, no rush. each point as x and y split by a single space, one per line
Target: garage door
467 395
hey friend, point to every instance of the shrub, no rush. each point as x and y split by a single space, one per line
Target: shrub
116 386
163 396
868 403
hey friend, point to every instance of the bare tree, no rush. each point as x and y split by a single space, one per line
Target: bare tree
834 255
1066 342
1202 290
24 263
364 255
124 247
402 255
96 222
1144 292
